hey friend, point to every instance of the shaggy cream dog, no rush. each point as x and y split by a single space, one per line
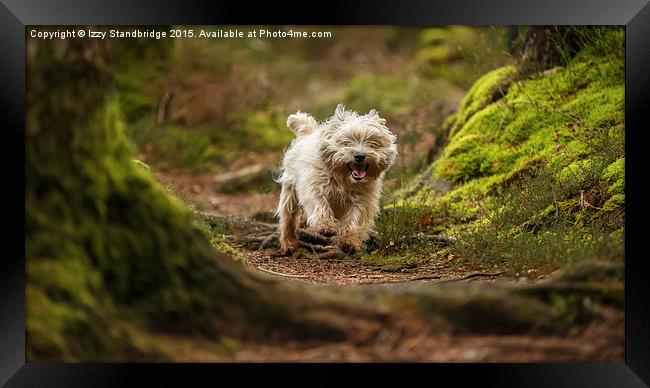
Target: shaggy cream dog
332 176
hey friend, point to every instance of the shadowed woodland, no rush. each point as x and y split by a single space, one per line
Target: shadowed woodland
150 198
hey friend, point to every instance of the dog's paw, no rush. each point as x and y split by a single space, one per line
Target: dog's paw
281 253
284 252
349 244
349 249
288 248
373 242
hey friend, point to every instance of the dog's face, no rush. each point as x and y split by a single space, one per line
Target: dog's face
357 148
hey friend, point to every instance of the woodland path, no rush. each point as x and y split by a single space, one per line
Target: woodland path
313 268
602 340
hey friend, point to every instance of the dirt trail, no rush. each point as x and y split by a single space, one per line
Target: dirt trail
600 341
198 191
350 271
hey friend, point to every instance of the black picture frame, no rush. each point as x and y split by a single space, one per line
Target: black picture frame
16 14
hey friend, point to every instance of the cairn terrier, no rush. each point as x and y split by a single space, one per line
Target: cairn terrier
332 177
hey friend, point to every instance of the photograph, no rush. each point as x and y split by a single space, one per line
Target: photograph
291 193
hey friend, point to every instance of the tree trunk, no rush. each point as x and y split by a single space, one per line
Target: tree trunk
548 46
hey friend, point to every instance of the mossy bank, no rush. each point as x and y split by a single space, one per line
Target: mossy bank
533 175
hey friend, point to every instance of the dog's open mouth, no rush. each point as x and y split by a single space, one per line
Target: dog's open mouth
359 170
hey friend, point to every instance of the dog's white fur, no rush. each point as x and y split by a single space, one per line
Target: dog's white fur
318 182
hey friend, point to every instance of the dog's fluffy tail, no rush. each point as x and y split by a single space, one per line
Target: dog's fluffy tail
301 123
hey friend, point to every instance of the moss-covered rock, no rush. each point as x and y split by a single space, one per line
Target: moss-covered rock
489 88
548 146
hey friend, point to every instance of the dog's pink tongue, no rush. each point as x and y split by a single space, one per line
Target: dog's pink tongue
358 170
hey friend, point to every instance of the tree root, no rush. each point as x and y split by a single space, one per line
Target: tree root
468 276
257 235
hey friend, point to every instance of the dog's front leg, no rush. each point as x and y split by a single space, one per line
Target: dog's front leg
318 212
355 226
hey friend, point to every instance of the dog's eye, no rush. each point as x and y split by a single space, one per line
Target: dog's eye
347 143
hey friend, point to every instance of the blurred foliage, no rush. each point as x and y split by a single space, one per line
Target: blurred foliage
543 47
461 54
230 97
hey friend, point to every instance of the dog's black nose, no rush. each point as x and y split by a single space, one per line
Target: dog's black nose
359 157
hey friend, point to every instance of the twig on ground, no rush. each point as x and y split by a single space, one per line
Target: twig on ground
472 275
584 204
266 241
432 277
320 263
315 248
282 274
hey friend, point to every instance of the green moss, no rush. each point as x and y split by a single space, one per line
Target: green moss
615 175
615 202
221 244
465 202
575 173
487 89
616 170
391 263
537 165
472 160
536 115
46 323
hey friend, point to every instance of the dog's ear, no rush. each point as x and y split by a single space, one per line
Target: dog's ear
389 158
334 122
339 112
374 115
